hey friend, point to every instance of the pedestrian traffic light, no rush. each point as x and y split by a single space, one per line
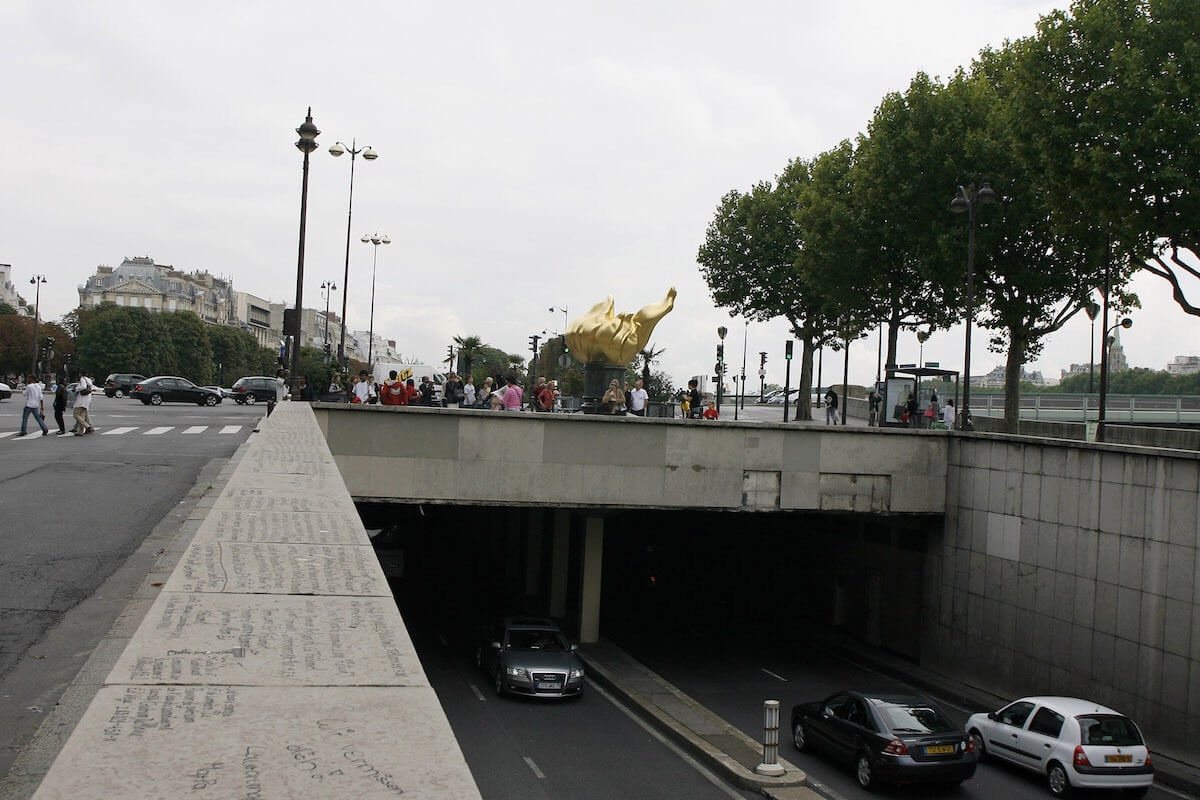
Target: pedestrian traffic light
787 351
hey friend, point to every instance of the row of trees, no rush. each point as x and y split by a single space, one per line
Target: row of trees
1085 130
111 338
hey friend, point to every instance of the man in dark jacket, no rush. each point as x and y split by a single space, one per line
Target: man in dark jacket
60 405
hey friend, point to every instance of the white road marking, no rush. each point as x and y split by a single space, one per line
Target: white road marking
478 693
6 434
196 429
704 771
231 429
157 431
773 675
117 431
37 432
534 767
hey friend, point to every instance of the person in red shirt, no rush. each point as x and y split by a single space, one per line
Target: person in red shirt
711 411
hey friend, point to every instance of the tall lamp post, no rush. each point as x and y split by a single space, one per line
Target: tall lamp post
967 199
721 331
1092 310
1108 340
37 281
328 287
305 144
368 154
745 336
374 239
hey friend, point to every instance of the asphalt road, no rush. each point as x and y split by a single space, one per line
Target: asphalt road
75 507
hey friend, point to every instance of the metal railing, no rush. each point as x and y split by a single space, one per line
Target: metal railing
1142 409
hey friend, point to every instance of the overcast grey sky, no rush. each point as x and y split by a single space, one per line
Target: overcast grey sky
531 154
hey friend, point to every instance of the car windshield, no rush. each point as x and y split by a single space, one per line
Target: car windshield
550 641
915 719
1108 730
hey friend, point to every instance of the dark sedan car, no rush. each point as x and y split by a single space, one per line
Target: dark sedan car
531 657
170 389
120 384
256 389
888 737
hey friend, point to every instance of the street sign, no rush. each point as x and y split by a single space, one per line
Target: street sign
933 364
762 373
564 361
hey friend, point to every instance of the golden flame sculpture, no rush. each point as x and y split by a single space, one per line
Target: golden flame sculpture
602 337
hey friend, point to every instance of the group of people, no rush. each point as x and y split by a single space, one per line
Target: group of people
618 400
692 404
80 399
506 395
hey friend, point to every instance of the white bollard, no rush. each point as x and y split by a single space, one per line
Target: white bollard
770 765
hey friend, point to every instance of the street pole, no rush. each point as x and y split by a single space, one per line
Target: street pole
1104 349
37 281
374 239
368 155
745 337
306 144
787 380
762 376
966 200
846 382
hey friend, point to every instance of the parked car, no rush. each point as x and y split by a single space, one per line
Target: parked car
170 389
889 737
248 391
531 657
5 391
119 384
1073 743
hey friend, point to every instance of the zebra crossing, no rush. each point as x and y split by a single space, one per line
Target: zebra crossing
135 430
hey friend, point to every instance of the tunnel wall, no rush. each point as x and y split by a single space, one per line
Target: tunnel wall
1071 569
463 456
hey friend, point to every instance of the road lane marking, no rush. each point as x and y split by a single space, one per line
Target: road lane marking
231 429
478 693
704 771
534 767
196 429
36 433
773 675
6 434
118 431
158 431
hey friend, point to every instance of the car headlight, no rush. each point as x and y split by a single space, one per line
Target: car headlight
517 672
576 674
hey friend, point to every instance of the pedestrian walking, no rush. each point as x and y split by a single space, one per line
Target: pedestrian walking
83 404
931 412
831 407
60 405
948 415
33 407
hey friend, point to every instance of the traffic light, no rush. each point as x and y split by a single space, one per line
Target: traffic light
762 360
450 354
717 369
787 352
533 343
721 352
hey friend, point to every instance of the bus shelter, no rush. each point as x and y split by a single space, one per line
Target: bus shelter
907 381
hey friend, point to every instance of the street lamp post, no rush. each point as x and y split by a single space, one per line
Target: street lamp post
368 154
37 281
328 287
1124 323
306 144
374 239
1092 310
745 336
721 331
967 199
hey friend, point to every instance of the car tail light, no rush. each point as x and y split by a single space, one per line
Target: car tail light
1148 761
969 747
1081 759
137 388
895 748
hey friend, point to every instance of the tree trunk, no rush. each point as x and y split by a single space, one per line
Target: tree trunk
804 396
1012 381
893 337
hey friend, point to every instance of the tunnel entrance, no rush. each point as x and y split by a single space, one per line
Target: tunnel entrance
703 573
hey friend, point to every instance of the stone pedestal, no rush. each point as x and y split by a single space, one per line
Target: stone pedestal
596 378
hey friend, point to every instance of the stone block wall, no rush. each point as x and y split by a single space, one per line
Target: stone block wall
1070 568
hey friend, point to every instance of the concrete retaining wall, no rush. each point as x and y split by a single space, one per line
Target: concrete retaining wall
1071 569
572 460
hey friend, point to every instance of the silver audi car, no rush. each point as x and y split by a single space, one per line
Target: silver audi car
530 656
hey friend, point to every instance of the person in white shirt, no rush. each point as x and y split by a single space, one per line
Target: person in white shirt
637 399
83 402
33 407
469 393
949 414
362 389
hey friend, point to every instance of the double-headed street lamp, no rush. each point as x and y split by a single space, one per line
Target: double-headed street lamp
376 240
327 287
368 154
305 144
966 200
721 331
1092 310
37 281
1108 340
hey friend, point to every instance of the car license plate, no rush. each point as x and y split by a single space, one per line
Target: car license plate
549 686
939 750
1118 759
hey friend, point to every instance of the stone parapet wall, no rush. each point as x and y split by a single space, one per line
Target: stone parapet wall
572 460
274 662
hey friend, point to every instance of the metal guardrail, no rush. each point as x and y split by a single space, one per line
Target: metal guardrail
1161 409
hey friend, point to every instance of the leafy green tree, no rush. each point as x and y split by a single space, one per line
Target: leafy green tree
16 344
469 348
569 378
1107 113
114 338
6 309
188 347
236 353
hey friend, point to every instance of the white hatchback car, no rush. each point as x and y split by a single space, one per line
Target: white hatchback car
1074 743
